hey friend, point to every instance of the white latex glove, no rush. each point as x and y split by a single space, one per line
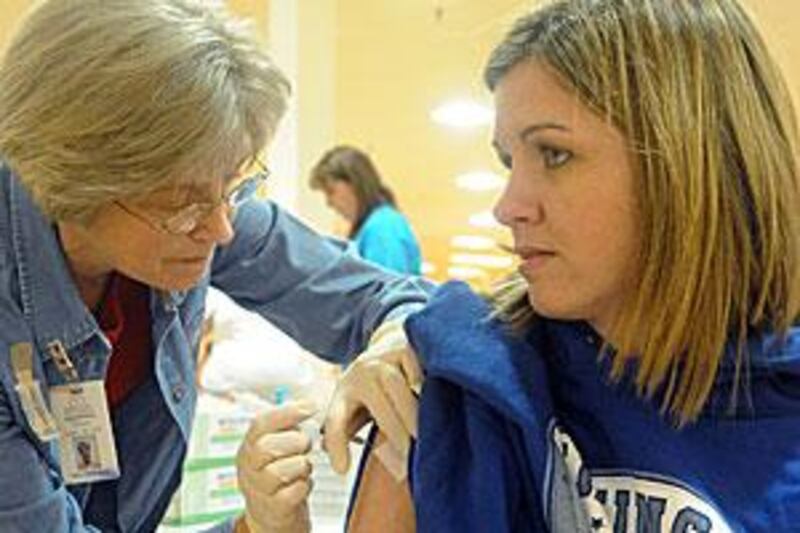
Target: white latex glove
378 384
274 470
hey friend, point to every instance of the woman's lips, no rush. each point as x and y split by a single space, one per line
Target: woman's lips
188 261
533 260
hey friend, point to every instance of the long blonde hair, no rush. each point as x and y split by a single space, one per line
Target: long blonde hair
103 99
707 113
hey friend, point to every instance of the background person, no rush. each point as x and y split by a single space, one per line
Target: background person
354 189
129 135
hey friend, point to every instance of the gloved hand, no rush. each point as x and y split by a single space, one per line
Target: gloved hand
378 383
274 470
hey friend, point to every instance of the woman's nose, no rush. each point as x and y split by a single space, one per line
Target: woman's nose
217 226
518 202
502 210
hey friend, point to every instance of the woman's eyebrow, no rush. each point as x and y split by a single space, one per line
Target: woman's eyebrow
535 128
180 195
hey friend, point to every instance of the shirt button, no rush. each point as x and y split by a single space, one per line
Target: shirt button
178 392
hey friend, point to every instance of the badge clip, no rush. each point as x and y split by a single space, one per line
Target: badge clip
63 361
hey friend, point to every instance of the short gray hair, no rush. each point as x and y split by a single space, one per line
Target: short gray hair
105 99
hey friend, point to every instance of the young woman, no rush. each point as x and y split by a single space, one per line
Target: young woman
641 372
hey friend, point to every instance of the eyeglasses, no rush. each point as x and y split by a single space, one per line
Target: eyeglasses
188 218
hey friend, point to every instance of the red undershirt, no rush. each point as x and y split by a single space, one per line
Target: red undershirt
124 317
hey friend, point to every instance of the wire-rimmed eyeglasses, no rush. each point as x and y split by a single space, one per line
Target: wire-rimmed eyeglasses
189 217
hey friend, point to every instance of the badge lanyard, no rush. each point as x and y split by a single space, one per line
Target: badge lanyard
30 393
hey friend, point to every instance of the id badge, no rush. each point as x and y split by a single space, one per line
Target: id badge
86 440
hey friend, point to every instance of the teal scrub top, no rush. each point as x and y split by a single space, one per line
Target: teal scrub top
386 238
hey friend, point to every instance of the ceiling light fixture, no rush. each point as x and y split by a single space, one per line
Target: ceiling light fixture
465 272
480 181
462 114
473 242
484 219
482 260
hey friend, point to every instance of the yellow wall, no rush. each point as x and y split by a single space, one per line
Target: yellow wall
778 22
397 60
315 88
256 10
369 72
10 13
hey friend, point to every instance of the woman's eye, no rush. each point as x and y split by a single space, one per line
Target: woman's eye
554 157
505 159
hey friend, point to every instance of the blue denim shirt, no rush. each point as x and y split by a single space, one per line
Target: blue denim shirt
312 288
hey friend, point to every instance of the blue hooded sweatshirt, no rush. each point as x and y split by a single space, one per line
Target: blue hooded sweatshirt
527 433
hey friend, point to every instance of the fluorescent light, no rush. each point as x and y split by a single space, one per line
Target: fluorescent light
482 260
428 268
484 219
473 242
462 114
465 272
479 181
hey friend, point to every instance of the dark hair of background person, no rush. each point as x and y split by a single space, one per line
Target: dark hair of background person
355 167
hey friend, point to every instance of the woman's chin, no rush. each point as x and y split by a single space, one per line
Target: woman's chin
552 308
182 282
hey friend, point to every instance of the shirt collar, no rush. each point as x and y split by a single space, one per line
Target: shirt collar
50 299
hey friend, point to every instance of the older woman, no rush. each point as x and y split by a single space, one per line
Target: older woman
652 382
129 135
